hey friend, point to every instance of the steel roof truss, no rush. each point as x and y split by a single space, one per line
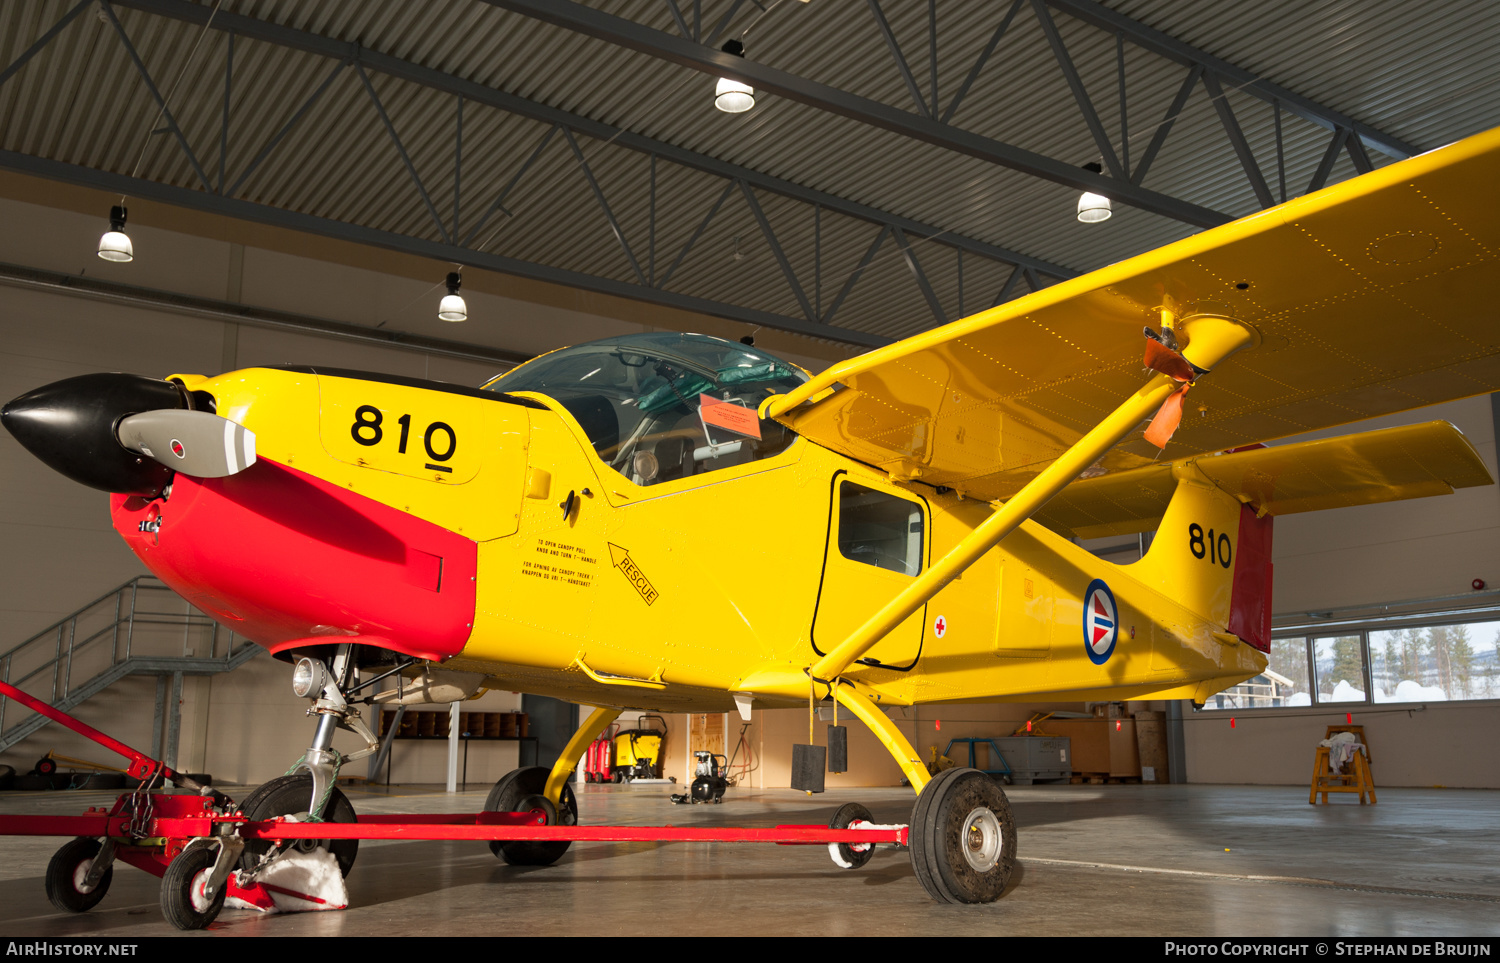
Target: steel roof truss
686 53
901 65
1092 12
1080 93
276 138
915 266
609 214
428 77
734 8
411 168
166 112
864 262
43 40
776 249
1237 139
979 62
1165 127
499 203
718 203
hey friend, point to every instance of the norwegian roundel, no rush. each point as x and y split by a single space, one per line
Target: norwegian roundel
1101 622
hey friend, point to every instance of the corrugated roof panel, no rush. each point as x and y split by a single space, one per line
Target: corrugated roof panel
1426 74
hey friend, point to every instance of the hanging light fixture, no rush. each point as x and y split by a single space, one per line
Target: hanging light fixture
1094 208
115 244
731 96
452 307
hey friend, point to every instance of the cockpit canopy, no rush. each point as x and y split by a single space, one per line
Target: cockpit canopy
663 406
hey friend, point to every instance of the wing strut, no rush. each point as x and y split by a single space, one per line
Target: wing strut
1210 340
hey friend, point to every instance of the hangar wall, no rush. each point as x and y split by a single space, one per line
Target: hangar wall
1430 548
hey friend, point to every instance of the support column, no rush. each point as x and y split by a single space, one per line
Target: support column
174 721
453 747
158 737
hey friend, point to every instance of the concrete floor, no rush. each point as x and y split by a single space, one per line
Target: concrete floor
1095 860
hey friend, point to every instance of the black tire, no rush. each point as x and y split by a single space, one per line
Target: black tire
65 874
287 796
963 838
617 777
45 766
846 814
510 796
182 899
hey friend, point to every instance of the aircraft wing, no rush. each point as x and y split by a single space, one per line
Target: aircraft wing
1369 297
1391 464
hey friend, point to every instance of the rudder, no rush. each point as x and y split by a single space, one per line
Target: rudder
1212 555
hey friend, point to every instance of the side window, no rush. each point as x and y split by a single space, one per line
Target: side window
880 529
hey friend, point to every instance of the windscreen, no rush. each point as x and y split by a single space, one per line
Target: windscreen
663 406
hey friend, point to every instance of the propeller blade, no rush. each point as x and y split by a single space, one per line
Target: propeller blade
193 442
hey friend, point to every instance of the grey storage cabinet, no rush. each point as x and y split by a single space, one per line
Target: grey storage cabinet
1036 758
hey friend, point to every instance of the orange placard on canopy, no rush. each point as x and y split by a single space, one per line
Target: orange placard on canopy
729 416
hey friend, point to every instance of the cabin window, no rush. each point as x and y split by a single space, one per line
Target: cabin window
659 407
880 529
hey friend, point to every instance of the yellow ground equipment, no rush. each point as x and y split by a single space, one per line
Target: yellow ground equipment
639 751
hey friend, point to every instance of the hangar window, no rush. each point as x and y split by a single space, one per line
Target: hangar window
662 406
1399 660
880 529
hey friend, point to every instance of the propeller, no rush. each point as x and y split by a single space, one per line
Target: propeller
127 434
193 442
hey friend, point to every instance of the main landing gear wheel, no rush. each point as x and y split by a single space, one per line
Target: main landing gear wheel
68 870
850 855
289 796
513 794
183 901
963 838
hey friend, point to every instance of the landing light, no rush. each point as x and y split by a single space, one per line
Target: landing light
308 678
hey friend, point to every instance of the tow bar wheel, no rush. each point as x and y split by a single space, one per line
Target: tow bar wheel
850 855
67 874
963 838
183 900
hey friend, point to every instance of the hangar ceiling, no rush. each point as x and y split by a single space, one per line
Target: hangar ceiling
906 162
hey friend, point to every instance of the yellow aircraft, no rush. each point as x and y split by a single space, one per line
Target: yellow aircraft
671 522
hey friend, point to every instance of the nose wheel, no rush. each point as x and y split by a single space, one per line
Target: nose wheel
291 796
963 838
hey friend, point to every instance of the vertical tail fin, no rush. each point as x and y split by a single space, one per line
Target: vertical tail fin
1213 555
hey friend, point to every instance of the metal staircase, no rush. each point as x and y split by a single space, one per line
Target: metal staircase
140 628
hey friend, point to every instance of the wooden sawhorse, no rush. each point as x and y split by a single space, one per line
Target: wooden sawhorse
1357 779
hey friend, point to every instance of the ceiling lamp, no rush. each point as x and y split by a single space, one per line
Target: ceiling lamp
731 96
1093 208
115 244
452 307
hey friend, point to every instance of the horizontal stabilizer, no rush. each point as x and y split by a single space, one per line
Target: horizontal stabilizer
1388 465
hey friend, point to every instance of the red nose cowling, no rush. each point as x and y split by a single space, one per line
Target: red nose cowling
289 560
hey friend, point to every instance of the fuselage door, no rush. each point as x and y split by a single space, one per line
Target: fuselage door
877 543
